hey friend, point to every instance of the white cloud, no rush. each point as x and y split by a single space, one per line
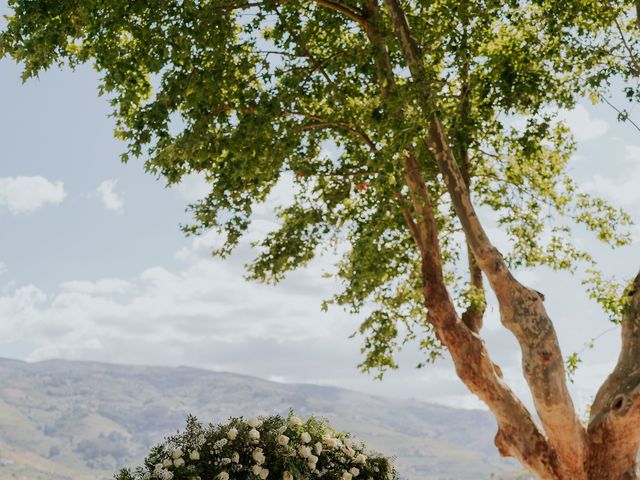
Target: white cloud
170 310
3 268
622 187
580 120
103 286
203 313
27 194
583 124
111 199
193 187
281 195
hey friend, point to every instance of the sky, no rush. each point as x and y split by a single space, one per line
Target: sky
93 265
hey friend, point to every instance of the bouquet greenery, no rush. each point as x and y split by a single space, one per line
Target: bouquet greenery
261 448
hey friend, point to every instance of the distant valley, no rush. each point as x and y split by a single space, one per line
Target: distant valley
67 420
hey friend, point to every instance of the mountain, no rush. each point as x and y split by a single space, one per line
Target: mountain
68 420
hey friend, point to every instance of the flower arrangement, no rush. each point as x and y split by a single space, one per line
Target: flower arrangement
274 448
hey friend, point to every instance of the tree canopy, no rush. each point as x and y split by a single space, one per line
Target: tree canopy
394 121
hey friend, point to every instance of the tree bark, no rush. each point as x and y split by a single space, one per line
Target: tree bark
614 423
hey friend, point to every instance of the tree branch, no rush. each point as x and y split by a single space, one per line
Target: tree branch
518 436
322 123
375 33
523 313
614 424
632 56
473 315
347 10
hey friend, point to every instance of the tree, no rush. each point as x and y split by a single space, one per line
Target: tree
433 110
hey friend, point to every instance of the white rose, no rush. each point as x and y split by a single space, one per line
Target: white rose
223 476
304 452
235 457
258 456
295 421
254 434
166 475
346 476
287 476
360 458
264 473
283 428
354 471
312 459
232 433
348 442
253 422
283 440
176 454
256 469
318 448
330 442
194 455
305 437
167 462
178 462
350 451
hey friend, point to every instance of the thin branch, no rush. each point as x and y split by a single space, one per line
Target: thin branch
632 56
323 123
235 6
411 224
347 10
621 115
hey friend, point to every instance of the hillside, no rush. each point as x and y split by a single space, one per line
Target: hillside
77 420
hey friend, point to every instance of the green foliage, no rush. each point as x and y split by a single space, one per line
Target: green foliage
271 447
609 294
249 94
571 365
